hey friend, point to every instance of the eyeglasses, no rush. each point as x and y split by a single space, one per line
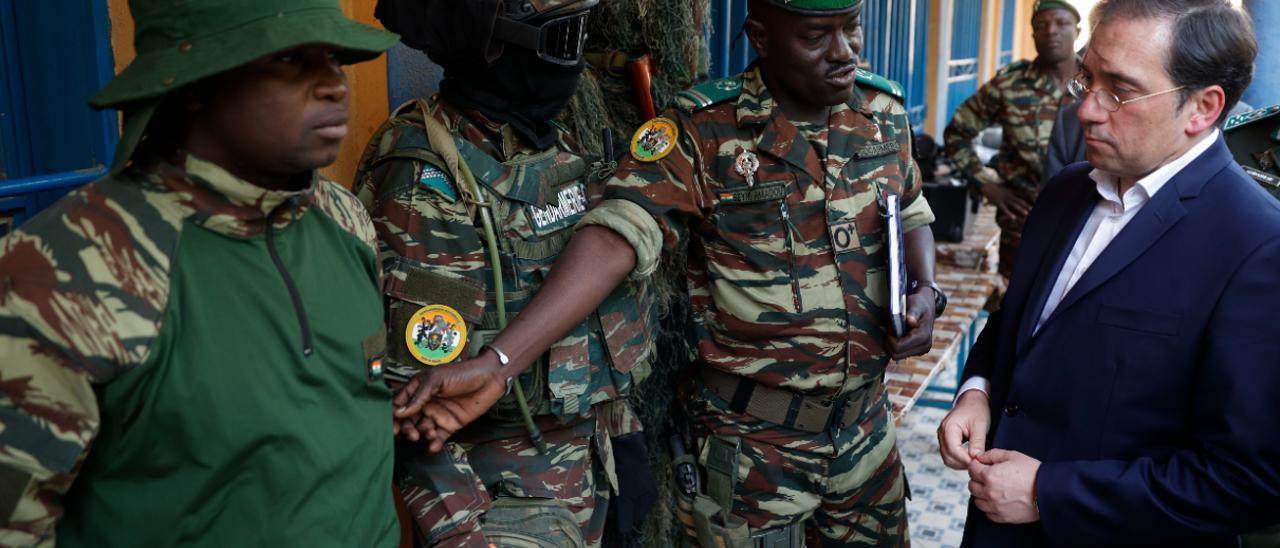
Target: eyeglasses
1106 99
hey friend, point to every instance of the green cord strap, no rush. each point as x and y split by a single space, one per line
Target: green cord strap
442 142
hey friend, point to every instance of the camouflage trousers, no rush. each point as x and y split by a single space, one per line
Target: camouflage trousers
503 492
852 498
1011 234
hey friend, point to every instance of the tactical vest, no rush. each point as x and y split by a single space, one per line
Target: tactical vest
535 200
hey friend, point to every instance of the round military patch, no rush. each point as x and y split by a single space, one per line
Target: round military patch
654 140
435 334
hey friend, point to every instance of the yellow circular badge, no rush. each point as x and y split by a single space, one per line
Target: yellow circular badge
654 140
435 334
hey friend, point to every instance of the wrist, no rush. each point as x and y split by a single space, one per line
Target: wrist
498 366
974 395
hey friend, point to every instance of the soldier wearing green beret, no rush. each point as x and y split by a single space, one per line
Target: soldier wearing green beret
1023 99
189 344
771 187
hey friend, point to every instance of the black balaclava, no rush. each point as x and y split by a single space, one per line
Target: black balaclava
507 83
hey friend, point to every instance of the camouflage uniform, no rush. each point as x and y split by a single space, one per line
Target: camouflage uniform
1024 102
1254 139
117 307
788 289
433 253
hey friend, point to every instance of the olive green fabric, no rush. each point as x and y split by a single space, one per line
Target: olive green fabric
181 42
230 436
817 7
1042 5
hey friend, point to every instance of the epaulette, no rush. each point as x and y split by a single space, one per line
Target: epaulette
710 93
1252 116
1016 65
881 83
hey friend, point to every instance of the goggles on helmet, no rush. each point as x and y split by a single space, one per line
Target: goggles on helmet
558 40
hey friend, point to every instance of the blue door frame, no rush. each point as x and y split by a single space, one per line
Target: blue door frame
50 140
966 42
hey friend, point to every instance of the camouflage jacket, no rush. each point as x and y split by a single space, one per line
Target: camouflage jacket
1254 139
196 331
1024 102
434 249
786 276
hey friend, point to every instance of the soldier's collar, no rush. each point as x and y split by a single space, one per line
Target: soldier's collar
755 105
230 205
1034 72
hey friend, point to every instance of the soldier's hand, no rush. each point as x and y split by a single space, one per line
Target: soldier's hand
919 336
1008 203
448 397
969 421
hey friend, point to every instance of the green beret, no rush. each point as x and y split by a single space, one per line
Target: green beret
1042 5
817 7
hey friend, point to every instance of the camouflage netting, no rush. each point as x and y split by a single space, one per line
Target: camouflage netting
672 33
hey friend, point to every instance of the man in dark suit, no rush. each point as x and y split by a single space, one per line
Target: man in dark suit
1127 385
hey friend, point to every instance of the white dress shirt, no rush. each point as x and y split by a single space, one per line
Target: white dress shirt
1109 217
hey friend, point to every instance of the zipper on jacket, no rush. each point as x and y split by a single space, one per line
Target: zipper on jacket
296 297
791 256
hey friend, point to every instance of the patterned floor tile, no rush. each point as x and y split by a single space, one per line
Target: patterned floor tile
940 496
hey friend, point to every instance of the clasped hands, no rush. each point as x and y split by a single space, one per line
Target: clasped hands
439 401
1002 482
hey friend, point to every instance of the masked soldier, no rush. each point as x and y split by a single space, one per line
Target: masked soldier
775 185
187 342
1023 99
474 192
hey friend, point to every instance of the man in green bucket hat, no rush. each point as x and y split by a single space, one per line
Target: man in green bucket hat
191 344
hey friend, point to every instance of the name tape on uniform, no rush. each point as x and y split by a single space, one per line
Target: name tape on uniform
762 193
571 200
876 150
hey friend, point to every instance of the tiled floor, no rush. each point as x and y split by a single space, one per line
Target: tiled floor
940 495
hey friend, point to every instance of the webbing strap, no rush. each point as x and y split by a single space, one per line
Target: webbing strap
787 536
722 469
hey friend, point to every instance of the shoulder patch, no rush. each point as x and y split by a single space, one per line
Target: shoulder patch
654 139
710 93
436 179
1251 117
872 80
1014 66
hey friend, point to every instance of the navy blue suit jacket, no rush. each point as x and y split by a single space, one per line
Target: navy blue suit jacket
1150 395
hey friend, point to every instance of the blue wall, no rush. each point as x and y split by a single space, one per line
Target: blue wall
896 44
1265 90
966 40
50 140
1008 26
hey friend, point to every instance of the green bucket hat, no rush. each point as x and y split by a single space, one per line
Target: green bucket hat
1042 5
183 42
817 7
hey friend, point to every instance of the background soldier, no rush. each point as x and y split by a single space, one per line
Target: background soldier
204 316
764 170
480 181
1023 99
1254 139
